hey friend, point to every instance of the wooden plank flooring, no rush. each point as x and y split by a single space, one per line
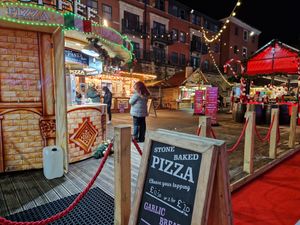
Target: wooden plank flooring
24 190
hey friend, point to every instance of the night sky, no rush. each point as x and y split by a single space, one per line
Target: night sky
275 19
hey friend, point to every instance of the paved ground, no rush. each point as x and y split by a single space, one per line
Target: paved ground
228 130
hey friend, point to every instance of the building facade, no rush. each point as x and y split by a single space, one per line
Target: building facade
238 42
167 35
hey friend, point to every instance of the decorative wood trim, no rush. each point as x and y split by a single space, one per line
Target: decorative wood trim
46 71
48 128
85 135
36 111
1 147
5 105
85 108
60 94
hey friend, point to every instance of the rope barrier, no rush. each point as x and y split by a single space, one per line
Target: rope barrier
73 204
234 147
137 147
267 137
278 135
213 133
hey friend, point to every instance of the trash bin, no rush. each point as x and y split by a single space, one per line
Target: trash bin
53 162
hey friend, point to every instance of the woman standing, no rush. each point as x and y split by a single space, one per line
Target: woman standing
138 110
107 100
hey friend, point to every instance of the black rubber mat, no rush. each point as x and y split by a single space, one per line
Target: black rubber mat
96 207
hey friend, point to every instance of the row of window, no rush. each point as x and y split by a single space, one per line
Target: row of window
245 34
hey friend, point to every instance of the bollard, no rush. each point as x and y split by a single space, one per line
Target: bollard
273 135
122 149
249 143
293 125
205 124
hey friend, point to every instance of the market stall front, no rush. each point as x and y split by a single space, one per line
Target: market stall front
272 60
35 64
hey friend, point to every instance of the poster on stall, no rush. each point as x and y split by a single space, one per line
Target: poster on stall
198 102
211 106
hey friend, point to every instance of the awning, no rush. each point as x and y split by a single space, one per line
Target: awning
274 58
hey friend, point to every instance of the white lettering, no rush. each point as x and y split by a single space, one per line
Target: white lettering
167 166
91 13
61 3
78 7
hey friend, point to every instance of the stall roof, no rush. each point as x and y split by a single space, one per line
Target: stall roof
274 58
175 81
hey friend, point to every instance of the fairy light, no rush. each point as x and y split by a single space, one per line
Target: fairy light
215 37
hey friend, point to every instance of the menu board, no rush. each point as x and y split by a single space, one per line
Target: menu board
198 102
170 185
211 106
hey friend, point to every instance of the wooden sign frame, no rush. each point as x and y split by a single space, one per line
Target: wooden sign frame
150 105
210 189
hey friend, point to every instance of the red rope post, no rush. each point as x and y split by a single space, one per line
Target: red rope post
137 147
73 204
198 131
234 147
213 133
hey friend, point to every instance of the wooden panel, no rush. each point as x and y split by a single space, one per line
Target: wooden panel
1 147
60 94
46 60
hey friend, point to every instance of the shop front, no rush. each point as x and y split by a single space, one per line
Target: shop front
40 54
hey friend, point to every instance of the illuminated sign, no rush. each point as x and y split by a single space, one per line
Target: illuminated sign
108 34
76 57
66 5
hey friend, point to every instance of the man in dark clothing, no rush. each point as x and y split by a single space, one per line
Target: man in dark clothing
107 100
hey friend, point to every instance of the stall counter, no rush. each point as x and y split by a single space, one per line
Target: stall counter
86 130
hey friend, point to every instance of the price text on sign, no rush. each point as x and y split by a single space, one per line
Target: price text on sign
170 185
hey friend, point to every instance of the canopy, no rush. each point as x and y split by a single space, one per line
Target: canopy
274 58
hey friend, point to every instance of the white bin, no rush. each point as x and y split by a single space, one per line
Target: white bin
53 162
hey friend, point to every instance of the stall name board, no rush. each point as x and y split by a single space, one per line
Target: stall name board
67 5
108 34
30 14
170 185
76 57
211 106
198 101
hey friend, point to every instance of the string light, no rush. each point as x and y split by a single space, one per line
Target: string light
215 37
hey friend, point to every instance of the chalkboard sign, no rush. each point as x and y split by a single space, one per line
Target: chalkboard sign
170 185
176 179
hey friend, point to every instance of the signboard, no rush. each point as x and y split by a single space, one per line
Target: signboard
198 102
74 6
108 34
176 180
211 105
76 57
22 13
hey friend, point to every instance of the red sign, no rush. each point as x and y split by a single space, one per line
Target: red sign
211 106
198 102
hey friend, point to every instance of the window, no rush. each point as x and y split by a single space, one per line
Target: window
216 48
205 65
216 28
174 10
245 55
235 49
92 3
182 59
174 58
236 31
196 43
106 11
160 4
182 37
136 49
195 62
174 34
196 19
253 39
131 21
206 24
159 55
158 28
245 35
182 14
204 49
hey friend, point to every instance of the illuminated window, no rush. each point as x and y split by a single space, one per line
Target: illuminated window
106 12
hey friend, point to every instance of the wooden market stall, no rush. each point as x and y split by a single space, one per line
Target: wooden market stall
34 109
272 60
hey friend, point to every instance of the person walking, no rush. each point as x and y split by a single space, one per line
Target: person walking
107 100
138 110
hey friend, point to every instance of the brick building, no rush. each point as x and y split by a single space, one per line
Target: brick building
239 41
166 34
